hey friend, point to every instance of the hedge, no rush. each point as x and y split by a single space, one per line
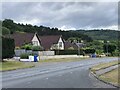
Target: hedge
24 56
74 52
68 52
8 47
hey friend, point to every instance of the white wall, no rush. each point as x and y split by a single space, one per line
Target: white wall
35 39
60 40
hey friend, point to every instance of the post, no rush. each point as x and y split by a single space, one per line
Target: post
78 48
107 47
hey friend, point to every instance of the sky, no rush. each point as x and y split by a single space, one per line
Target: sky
64 15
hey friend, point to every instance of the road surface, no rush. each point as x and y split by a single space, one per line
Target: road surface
56 75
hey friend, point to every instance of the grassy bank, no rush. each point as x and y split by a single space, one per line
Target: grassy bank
13 65
111 77
104 65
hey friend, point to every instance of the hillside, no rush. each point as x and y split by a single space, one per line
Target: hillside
42 30
101 34
87 35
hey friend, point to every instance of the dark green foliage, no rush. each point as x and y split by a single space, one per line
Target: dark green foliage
27 47
5 31
68 52
101 34
24 56
8 46
109 47
37 48
89 51
42 30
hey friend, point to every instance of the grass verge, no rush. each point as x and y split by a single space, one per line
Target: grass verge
13 65
104 65
62 60
111 77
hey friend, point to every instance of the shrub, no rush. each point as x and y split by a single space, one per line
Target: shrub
68 52
24 56
27 47
89 51
8 47
37 48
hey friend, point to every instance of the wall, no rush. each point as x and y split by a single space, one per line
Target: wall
21 51
41 53
46 53
61 56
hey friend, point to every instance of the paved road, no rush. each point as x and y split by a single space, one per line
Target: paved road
57 75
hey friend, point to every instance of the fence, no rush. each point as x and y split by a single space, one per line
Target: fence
41 53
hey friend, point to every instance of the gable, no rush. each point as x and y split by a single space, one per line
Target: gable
48 41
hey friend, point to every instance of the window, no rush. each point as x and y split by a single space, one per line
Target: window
60 44
35 43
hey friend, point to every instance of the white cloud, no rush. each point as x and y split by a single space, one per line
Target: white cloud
66 28
32 21
64 15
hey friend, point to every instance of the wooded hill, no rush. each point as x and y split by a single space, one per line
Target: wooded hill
101 34
42 30
87 35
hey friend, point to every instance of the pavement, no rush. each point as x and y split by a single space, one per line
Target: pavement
56 75
102 71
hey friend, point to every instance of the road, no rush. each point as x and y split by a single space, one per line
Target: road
56 75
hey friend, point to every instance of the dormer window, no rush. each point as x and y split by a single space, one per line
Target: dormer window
60 44
35 43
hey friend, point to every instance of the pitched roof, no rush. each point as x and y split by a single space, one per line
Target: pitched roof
48 41
69 44
22 38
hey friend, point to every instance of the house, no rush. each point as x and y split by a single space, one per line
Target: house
25 38
70 46
52 42
47 42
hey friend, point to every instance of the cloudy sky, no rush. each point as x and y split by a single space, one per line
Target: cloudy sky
64 15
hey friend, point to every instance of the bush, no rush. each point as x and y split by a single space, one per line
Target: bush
68 52
89 51
27 47
24 56
8 47
37 48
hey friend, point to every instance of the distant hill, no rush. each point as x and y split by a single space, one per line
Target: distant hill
101 34
41 30
87 35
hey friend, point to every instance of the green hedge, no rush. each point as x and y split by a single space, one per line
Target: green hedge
68 52
74 52
89 51
8 47
24 56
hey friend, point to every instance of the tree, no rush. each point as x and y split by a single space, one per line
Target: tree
5 31
109 48
8 47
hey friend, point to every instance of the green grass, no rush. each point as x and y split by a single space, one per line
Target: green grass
111 77
62 60
104 65
13 65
